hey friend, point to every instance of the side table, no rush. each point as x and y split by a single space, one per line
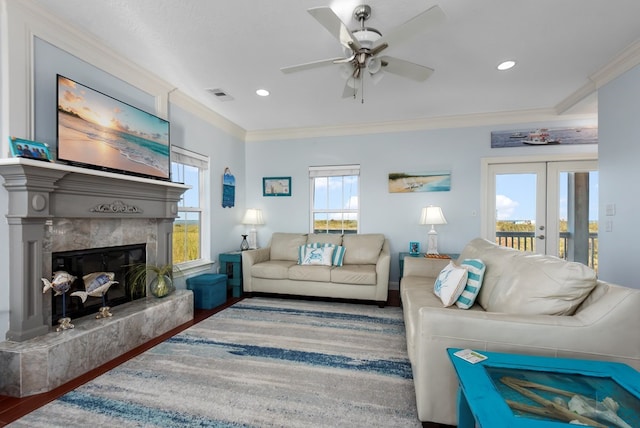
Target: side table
402 255
231 265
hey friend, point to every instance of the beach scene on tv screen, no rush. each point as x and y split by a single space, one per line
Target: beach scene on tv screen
96 129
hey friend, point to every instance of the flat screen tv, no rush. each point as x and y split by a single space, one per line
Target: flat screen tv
100 132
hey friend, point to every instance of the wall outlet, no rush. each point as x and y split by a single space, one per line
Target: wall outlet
610 209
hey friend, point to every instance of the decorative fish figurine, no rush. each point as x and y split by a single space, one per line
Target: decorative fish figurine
61 282
95 285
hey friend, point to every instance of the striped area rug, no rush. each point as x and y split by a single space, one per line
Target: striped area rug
260 363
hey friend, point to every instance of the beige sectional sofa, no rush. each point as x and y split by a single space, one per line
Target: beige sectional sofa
364 274
527 304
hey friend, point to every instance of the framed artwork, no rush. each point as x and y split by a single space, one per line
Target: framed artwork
544 137
276 186
414 248
29 149
410 182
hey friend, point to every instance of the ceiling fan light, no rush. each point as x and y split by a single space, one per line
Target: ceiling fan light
374 65
375 78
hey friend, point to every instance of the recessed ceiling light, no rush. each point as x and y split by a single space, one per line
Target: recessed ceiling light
262 92
506 65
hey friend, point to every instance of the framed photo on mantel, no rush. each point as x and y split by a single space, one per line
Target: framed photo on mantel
21 148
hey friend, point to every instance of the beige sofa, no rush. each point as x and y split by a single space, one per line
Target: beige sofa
364 274
527 304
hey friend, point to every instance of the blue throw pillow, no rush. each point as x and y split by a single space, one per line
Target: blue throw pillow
475 269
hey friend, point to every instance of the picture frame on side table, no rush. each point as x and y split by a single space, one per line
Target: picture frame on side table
414 248
276 186
28 149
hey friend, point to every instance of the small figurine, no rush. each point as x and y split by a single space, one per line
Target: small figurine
96 285
61 283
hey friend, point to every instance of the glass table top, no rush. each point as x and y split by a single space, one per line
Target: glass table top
556 396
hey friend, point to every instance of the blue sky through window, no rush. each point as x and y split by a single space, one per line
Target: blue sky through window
515 196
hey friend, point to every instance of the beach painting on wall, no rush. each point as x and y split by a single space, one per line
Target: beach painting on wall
544 137
408 182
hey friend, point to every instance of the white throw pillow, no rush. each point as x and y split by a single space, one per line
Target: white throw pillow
450 283
475 275
318 256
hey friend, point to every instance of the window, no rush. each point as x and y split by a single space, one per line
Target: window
189 168
335 199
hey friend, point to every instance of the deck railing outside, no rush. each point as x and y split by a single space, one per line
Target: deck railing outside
525 241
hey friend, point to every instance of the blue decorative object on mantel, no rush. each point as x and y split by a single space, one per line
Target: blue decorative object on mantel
61 284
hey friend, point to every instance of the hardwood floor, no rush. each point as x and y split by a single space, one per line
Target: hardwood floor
12 408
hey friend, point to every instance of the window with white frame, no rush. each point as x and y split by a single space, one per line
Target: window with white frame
189 168
335 199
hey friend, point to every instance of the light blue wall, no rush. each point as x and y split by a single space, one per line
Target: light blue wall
619 129
195 134
458 150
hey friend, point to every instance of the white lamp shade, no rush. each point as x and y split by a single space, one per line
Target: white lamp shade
253 216
432 215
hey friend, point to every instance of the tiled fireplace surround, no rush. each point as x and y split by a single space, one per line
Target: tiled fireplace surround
54 208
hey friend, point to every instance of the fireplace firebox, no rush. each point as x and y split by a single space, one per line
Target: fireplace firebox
79 263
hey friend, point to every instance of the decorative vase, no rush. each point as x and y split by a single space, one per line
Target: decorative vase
161 286
244 245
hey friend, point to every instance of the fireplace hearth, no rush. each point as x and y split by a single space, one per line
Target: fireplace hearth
117 259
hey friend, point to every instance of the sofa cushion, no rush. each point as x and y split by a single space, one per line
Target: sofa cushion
450 283
284 246
362 249
525 283
354 274
475 269
324 238
542 285
318 256
272 269
310 273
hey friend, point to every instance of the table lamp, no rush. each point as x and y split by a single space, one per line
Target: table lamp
253 217
432 215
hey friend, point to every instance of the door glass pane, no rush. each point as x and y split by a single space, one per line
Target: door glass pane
515 213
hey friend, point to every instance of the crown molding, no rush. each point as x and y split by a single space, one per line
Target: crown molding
186 102
460 121
621 63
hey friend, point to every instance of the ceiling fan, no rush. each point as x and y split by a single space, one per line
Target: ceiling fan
363 45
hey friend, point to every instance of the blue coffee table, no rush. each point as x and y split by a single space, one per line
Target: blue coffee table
496 392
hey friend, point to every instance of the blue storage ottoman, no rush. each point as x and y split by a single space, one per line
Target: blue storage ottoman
209 290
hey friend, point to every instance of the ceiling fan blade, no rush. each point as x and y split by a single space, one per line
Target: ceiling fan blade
310 65
406 69
329 20
423 21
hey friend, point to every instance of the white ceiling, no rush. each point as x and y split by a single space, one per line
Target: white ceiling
240 46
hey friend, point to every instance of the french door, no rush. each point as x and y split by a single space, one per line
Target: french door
546 207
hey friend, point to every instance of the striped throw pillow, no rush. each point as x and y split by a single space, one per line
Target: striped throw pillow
338 252
475 269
